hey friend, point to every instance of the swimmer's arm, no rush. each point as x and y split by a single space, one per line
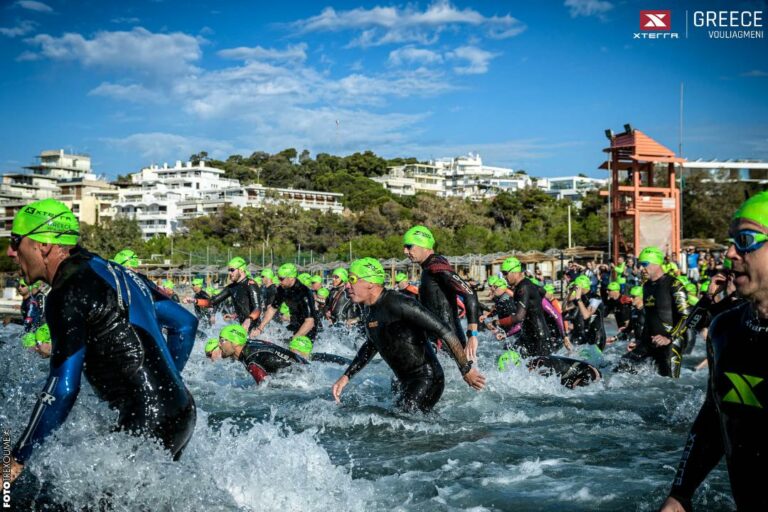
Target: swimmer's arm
214 301
306 326
255 296
181 327
471 302
53 405
701 454
363 357
415 313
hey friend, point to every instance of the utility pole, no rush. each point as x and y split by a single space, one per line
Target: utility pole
570 244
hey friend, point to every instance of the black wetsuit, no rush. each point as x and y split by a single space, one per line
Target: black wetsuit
340 306
398 328
301 303
245 299
202 314
620 308
440 286
734 418
590 331
262 358
666 307
534 337
104 323
268 294
634 328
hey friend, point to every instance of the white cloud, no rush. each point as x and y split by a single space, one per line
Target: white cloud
136 51
386 25
755 73
126 20
476 58
133 92
27 57
410 54
588 7
169 147
297 52
22 28
32 5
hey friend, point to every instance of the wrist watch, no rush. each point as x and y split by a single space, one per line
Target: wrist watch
466 368
471 333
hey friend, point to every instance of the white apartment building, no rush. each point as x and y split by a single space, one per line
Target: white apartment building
571 187
728 170
463 176
154 194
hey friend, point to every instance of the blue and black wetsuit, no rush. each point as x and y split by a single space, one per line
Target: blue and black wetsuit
398 328
104 323
301 303
734 418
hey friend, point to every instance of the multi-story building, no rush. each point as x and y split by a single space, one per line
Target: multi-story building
63 176
728 170
572 187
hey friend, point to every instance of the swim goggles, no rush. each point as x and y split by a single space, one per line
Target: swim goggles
747 240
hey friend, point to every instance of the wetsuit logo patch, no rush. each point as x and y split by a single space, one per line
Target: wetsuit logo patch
47 398
742 390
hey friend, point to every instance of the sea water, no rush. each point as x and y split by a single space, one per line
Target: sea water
523 443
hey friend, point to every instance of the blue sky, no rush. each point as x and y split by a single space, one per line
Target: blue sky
529 85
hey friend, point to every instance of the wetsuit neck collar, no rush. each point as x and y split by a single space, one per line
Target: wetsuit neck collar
75 253
428 260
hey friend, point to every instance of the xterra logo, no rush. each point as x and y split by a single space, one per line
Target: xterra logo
656 25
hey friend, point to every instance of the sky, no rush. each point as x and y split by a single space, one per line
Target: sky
527 85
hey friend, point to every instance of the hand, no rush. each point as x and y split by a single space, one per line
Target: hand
255 333
474 378
672 505
500 336
189 300
229 316
717 284
471 349
611 340
661 341
246 324
567 343
338 387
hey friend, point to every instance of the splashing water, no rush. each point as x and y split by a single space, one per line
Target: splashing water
524 443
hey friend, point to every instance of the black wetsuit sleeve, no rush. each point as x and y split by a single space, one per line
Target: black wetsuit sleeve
521 304
216 299
703 449
468 295
363 357
279 298
416 314
255 298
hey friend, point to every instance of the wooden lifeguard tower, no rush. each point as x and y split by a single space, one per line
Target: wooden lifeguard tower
642 190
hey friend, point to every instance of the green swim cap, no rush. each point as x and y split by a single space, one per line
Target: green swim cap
323 293
368 269
636 291
43 334
211 345
497 282
755 209
211 290
285 310
305 279
693 300
35 285
28 340
651 255
534 281
22 282
508 358
691 288
168 284
126 258
287 270
342 274
267 272
492 280
198 281
683 279
549 288
48 221
420 236
400 276
511 264
583 282
613 286
238 263
317 279
727 263
234 333
301 344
